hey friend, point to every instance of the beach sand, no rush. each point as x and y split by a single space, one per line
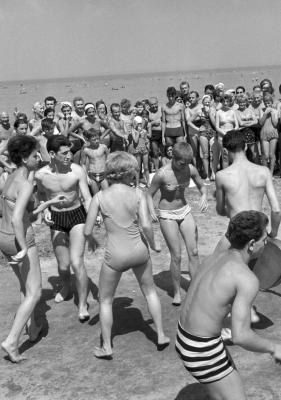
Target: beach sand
61 365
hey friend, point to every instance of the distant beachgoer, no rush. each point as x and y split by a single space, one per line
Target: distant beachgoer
156 130
226 120
118 135
140 148
193 122
246 120
6 131
103 117
38 112
127 245
21 127
78 112
168 155
173 123
240 90
175 213
269 133
184 91
93 159
66 219
209 89
224 282
17 241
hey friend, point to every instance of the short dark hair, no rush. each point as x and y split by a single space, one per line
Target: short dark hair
91 132
240 87
125 102
234 141
77 98
245 226
171 91
47 124
48 110
50 98
99 102
20 147
114 105
55 142
18 122
209 87
196 93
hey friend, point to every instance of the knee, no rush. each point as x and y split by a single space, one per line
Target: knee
34 293
77 264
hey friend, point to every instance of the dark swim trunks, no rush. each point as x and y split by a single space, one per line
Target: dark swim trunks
64 221
174 132
97 177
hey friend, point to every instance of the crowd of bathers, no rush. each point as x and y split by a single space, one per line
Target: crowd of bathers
148 130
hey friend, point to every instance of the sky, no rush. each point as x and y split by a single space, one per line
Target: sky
65 38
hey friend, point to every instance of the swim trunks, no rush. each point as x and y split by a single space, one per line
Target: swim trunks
205 358
156 136
64 221
174 132
177 215
98 177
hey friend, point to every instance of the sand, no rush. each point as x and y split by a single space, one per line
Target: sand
61 365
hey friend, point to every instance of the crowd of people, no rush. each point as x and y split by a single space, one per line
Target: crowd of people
71 167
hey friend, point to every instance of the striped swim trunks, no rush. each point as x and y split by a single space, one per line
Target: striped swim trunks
205 358
64 221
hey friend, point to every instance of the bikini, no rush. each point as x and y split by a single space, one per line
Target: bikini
8 242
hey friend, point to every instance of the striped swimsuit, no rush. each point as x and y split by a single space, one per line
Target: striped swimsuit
205 358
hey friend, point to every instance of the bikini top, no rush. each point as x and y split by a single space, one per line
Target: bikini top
172 187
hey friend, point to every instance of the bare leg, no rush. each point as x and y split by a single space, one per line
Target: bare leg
230 388
265 152
145 167
31 278
272 157
155 152
189 232
60 242
170 231
144 276
108 282
204 144
138 157
76 250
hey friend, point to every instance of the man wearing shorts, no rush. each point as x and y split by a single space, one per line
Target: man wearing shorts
67 219
173 124
156 130
224 282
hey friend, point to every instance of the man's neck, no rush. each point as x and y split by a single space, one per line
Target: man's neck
59 168
239 156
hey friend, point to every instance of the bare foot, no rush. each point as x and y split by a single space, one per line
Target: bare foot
101 352
62 294
163 342
177 300
12 352
34 332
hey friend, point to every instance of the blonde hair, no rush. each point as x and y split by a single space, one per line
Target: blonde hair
120 165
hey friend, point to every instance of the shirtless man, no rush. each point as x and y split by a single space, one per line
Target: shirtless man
67 219
224 282
184 89
93 161
173 124
78 104
241 187
118 135
6 130
156 130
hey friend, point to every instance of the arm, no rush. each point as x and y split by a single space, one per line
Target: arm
274 118
84 160
91 216
59 199
145 222
23 196
263 116
201 187
236 125
84 188
220 196
118 132
242 334
154 187
274 205
163 126
218 129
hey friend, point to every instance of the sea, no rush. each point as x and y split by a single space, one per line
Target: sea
113 88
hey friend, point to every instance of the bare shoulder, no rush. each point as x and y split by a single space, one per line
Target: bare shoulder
42 171
77 169
243 277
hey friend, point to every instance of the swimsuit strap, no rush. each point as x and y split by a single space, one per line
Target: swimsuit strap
4 197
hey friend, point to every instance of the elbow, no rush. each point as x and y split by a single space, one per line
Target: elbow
239 338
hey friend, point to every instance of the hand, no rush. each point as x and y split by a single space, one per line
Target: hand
203 205
92 244
153 215
59 200
16 259
47 217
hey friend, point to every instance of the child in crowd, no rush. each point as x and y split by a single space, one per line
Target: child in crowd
167 158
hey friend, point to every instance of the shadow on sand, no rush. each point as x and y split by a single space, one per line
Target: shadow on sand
128 319
194 391
163 281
